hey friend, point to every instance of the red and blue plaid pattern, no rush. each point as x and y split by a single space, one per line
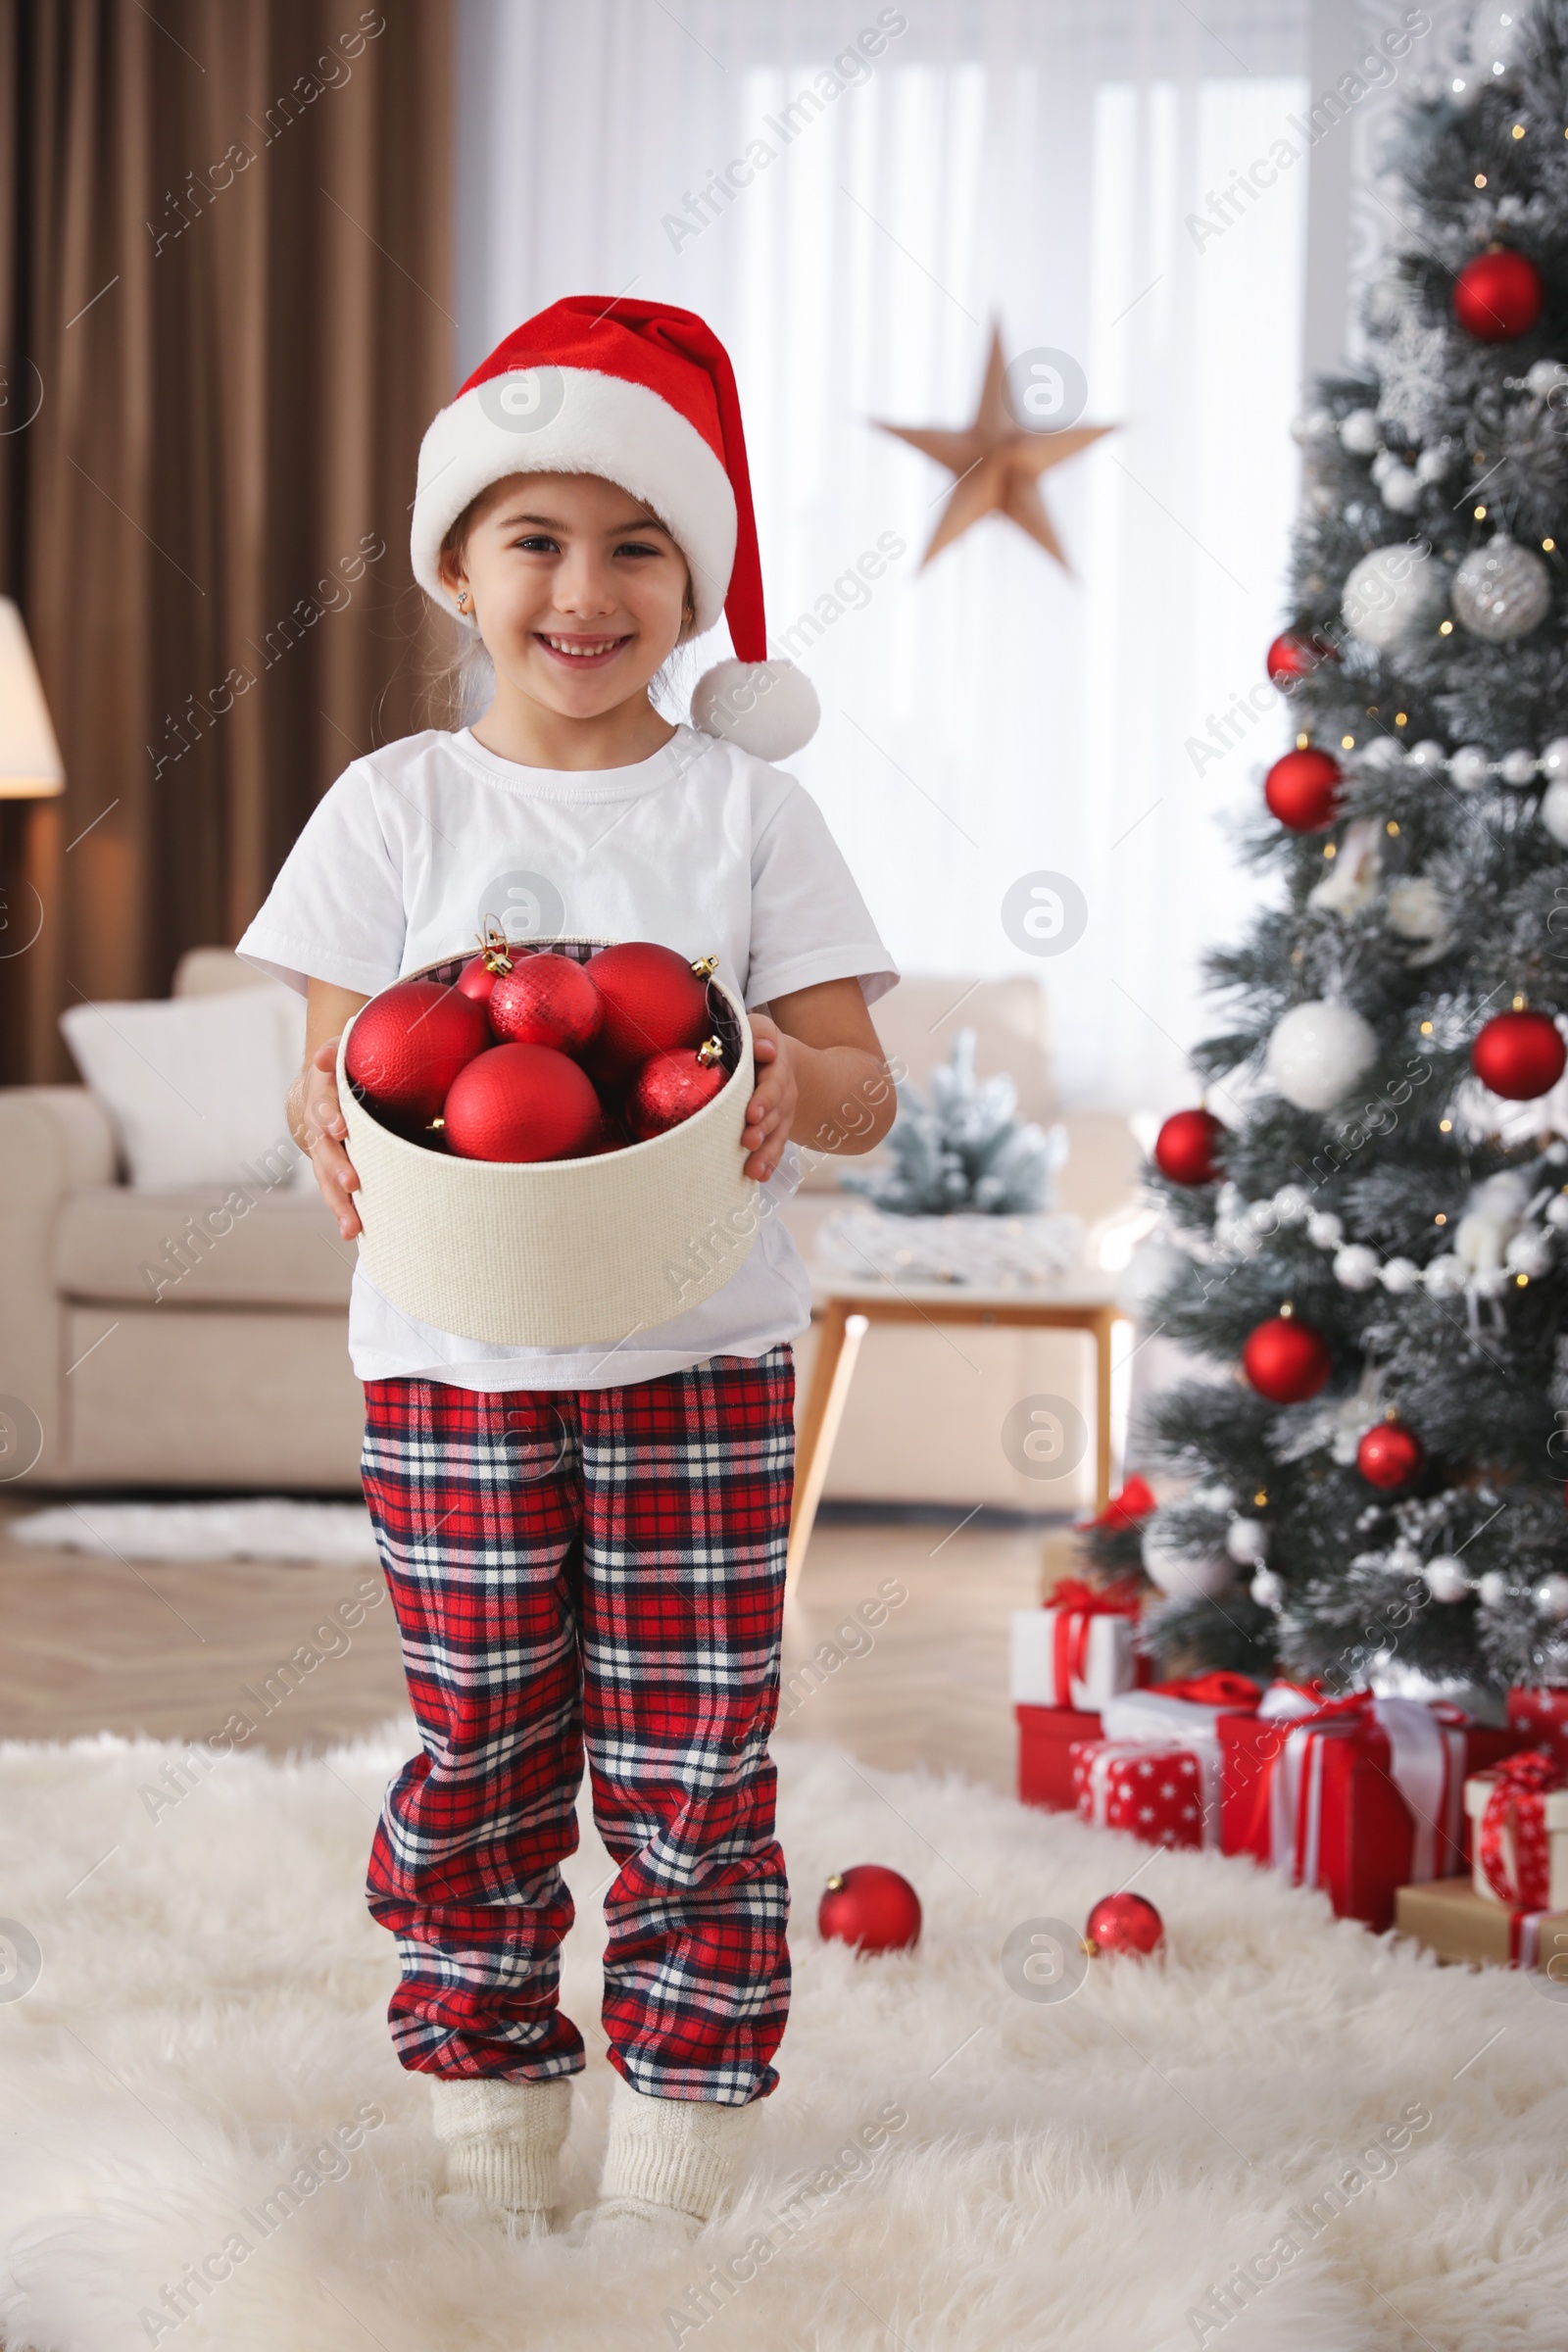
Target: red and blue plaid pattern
599 1568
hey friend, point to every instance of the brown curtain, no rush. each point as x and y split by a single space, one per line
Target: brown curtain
226 240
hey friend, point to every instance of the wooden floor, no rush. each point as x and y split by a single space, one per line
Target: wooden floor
89 1644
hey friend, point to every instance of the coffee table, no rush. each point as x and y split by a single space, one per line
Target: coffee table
845 1310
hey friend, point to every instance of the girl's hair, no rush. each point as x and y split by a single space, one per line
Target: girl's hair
462 682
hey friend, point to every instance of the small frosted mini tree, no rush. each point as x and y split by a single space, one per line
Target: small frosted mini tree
961 1146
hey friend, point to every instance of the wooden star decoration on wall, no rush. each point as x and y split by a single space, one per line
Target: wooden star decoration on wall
997 464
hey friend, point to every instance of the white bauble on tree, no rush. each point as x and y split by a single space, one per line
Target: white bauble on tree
1554 810
1551 1598
1267 1589
1400 490
1355 1266
1318 1052
1469 768
1391 594
1247 1542
1502 591
1444 1578
1360 432
1186 1574
1491 1589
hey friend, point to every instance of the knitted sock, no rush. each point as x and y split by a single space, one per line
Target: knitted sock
670 2156
503 2139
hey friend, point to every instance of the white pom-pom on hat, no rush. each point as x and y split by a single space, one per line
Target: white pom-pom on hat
769 708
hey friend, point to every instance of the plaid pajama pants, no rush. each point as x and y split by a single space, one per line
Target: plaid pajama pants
599 1568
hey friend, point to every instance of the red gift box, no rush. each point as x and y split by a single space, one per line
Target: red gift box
1045 1740
1157 1793
1540 1714
1361 1798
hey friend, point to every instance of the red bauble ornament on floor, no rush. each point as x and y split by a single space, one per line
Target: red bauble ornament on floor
481 973
1287 1360
1186 1146
874 1909
1389 1455
1302 790
521 1103
1519 1055
409 1043
1123 1923
1293 655
546 1000
653 1001
1498 296
670 1087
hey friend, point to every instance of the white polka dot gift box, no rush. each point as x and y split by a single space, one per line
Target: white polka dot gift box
1155 1792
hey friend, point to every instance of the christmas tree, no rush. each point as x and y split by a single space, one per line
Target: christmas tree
1370 1238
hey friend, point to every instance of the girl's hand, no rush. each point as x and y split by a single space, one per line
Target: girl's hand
770 1112
321 1127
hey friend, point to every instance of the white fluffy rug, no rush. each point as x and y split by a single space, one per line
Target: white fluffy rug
1080 2173
266 1527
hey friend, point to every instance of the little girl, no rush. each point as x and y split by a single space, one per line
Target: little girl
585 1546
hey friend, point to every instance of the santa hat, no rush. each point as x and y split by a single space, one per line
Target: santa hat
643 395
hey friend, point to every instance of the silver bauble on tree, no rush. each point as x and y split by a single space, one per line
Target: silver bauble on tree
1502 591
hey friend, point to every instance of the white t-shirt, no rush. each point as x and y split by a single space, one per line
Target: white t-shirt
702 848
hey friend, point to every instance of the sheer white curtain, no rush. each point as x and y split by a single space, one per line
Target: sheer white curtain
1033 163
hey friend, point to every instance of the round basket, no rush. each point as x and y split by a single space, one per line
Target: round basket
558 1252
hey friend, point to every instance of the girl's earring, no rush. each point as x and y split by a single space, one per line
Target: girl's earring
463 600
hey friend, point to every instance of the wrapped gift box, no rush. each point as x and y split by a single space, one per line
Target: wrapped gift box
1155 1792
1360 1797
1157 1770
1077 1652
1525 1864
1450 1919
1045 1740
1540 1714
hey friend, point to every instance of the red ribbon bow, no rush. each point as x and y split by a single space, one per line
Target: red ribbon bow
1135 1502
1238 1693
1517 1805
1076 1605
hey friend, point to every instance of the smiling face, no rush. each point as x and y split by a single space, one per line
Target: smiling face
580 593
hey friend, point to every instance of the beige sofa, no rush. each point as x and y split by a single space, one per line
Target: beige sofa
238 1376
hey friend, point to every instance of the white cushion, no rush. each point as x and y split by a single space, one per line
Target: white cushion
196 1086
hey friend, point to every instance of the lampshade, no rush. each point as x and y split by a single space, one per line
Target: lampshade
30 757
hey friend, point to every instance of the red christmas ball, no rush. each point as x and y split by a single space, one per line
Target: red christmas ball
669 1086
1519 1055
1302 790
481 973
1287 1360
1185 1148
1498 295
653 1001
1123 1923
1389 1455
1293 655
521 1103
546 1000
409 1043
872 1909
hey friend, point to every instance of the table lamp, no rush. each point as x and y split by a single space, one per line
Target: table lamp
30 757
